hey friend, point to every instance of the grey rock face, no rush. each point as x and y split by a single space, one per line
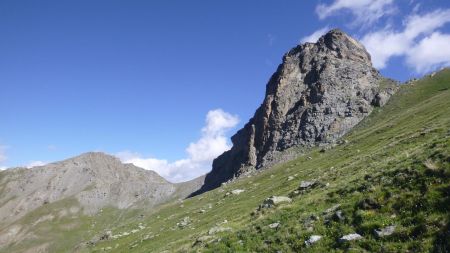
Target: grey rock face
319 92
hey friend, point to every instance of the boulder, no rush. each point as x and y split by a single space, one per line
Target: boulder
387 231
305 185
277 200
313 239
351 237
274 225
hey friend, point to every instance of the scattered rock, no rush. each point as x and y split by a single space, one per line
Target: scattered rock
387 231
184 222
290 178
351 237
369 204
218 229
274 225
237 191
333 213
342 142
277 200
338 216
331 209
313 239
309 222
204 240
105 236
304 185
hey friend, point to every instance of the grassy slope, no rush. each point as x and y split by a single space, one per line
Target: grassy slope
385 160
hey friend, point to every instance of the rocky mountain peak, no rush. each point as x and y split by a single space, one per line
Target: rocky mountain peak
319 92
93 179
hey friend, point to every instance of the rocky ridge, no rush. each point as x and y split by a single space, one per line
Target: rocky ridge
319 92
95 180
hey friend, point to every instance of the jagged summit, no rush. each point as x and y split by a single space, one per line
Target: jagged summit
345 46
318 93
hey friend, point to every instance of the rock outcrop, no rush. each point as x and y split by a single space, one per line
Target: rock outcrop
319 92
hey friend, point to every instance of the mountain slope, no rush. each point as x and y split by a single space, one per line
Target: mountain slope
80 187
319 92
393 169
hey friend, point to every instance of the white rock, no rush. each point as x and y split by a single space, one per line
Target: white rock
313 239
306 184
276 200
237 191
351 237
274 225
389 230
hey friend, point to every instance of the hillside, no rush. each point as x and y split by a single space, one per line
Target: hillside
71 193
392 170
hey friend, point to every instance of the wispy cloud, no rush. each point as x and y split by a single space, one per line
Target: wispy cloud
35 164
417 41
315 35
200 154
366 12
430 53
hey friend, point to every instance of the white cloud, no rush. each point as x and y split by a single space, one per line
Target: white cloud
201 153
430 53
386 43
312 38
3 168
35 164
365 11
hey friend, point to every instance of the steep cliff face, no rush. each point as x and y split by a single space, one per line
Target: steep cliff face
318 93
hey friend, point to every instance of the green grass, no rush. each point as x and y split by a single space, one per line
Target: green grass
384 161
397 160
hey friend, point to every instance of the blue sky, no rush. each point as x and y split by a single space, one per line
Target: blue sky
163 84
